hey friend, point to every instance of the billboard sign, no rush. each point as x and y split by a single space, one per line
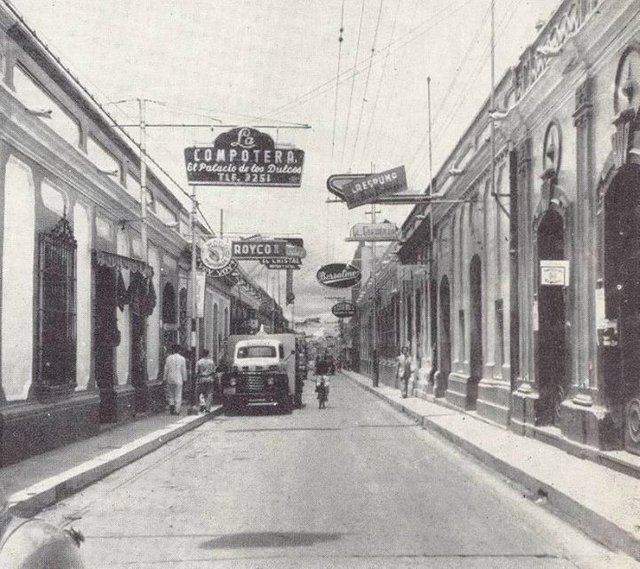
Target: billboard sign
338 275
374 232
364 191
256 250
244 156
343 310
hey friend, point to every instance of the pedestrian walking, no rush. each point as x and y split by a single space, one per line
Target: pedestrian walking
403 370
322 389
205 374
175 374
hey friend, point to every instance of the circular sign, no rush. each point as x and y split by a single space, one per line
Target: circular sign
215 253
343 310
338 275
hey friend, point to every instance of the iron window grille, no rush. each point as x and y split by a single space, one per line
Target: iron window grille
57 310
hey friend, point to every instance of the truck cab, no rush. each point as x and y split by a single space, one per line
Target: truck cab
262 373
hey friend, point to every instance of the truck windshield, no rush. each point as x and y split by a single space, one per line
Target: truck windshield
256 352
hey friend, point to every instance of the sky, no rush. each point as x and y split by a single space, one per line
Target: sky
275 62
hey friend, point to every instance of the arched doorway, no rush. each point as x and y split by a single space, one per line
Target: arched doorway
621 347
475 331
552 349
444 367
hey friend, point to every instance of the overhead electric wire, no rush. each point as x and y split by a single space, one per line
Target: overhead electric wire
347 74
335 106
466 90
353 82
381 81
447 94
366 84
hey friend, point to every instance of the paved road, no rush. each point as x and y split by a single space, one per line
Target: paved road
356 485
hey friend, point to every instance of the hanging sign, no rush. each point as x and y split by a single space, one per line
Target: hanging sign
338 275
244 156
343 310
337 182
374 232
554 273
360 192
228 270
215 253
201 280
253 250
282 263
289 296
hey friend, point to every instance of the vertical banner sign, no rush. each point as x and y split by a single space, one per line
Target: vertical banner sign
289 290
201 280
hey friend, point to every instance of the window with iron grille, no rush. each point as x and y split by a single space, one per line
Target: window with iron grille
57 309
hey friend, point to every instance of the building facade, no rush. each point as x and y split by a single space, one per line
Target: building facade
87 312
519 295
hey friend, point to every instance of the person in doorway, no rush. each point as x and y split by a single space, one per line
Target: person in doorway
403 370
175 374
205 373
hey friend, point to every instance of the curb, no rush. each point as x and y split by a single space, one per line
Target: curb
588 521
30 501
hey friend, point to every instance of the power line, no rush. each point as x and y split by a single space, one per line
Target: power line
335 106
353 81
347 74
380 82
366 83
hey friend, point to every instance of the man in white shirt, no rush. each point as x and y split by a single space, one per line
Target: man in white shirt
175 374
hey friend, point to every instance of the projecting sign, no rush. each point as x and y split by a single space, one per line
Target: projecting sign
360 192
554 273
337 182
229 269
374 232
252 250
244 157
281 263
338 275
215 253
343 310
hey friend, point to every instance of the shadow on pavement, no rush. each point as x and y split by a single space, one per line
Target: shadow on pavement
269 539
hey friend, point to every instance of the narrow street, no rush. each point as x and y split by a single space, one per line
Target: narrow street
356 485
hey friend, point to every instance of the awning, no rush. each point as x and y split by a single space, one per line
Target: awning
106 259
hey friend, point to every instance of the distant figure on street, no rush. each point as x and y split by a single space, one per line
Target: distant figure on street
403 370
175 374
205 372
322 389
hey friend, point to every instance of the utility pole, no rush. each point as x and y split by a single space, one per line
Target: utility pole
374 332
194 297
143 180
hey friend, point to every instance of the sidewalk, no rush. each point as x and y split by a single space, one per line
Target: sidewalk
42 480
600 501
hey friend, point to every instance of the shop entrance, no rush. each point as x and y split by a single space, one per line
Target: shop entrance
475 331
552 349
106 338
445 337
622 301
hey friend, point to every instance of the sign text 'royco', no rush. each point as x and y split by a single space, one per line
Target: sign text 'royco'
258 249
